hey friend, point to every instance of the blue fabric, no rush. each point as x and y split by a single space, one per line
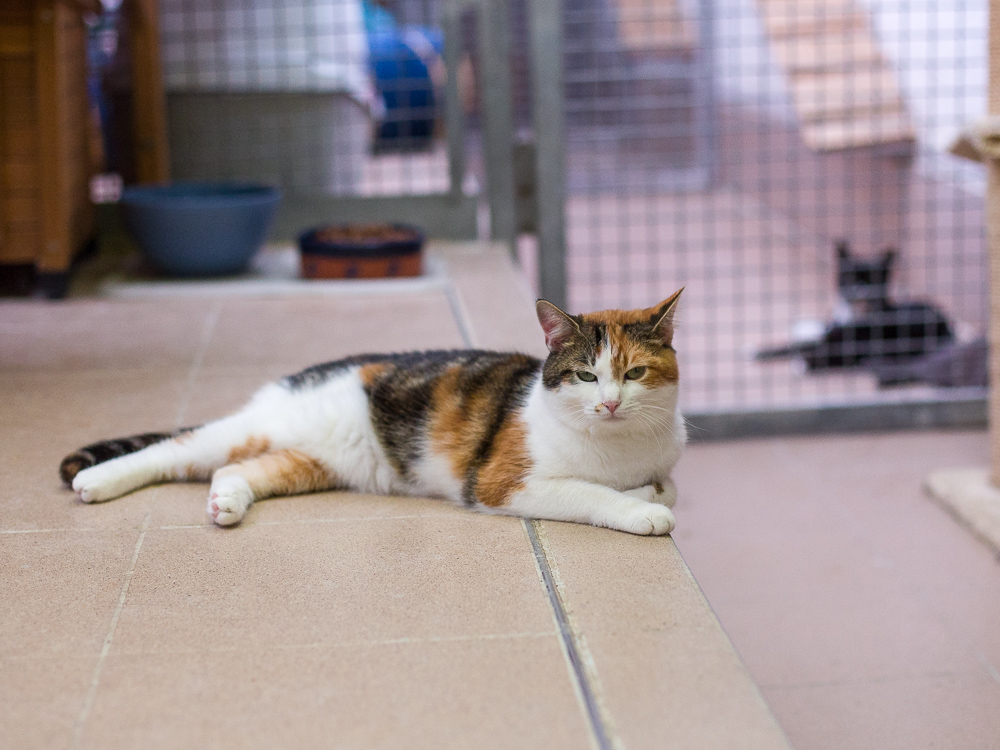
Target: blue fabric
402 77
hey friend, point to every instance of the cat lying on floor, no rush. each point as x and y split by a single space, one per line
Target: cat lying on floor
589 435
869 329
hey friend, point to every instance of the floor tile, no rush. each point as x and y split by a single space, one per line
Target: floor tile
45 416
667 671
219 391
101 334
41 700
505 322
183 504
846 456
948 711
297 584
60 590
935 557
298 332
844 574
501 693
803 595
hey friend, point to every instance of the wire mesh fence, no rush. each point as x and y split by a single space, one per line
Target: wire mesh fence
325 96
784 160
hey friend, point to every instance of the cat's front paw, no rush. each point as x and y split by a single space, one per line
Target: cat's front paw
650 519
228 501
646 493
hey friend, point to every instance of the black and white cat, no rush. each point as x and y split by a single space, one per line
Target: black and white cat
868 327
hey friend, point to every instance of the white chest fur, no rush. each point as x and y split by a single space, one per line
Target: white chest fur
622 455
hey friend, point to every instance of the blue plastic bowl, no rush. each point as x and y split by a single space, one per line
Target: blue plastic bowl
200 229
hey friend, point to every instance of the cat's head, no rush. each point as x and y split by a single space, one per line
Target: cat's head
611 367
864 282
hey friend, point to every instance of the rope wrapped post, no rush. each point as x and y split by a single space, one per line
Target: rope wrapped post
989 141
980 142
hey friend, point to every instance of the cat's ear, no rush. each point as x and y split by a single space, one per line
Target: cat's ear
843 249
663 317
558 326
888 257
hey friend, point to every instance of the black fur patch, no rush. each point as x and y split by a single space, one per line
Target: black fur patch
319 374
105 450
579 352
509 381
400 397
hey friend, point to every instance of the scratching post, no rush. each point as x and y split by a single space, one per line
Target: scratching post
993 239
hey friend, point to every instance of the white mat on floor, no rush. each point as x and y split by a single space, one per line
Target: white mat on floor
275 271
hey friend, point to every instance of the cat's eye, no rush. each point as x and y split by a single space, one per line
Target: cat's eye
586 377
635 373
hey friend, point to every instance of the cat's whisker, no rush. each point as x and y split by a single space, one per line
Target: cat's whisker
652 431
664 428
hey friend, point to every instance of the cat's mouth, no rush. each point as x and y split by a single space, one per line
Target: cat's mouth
606 416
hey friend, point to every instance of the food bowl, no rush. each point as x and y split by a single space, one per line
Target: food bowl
200 229
361 251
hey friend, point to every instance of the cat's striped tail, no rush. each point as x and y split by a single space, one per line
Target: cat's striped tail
105 450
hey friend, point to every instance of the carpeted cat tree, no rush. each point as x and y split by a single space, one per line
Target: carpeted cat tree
972 495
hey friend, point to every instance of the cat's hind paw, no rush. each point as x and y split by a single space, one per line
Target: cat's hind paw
650 519
229 500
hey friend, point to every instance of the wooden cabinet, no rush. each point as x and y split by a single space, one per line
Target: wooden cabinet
45 132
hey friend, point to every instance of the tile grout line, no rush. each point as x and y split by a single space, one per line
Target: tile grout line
579 660
459 314
344 644
45 531
106 648
251 524
208 328
343 519
755 689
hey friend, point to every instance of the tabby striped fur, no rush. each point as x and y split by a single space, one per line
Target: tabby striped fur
589 435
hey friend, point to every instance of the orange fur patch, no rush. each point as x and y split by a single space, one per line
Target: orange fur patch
627 353
622 317
508 465
662 370
370 373
192 472
457 424
254 446
284 472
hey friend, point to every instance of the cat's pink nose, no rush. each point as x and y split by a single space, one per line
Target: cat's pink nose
612 405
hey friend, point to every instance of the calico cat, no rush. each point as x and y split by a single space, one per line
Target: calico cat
590 435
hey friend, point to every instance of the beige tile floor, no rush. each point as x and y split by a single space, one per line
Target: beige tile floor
865 614
868 616
330 620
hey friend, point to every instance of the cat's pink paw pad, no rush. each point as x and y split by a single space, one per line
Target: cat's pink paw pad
225 509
